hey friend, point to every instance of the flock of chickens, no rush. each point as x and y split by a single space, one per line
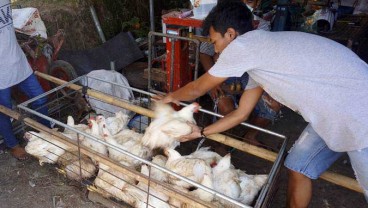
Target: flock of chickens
202 166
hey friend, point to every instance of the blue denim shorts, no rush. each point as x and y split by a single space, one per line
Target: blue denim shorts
264 111
311 157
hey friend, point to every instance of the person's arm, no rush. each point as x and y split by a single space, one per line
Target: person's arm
207 62
194 89
247 102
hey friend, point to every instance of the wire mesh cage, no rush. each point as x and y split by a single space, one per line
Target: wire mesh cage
107 152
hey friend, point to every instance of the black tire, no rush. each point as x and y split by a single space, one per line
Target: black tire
65 71
62 70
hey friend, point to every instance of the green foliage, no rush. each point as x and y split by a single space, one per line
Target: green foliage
131 15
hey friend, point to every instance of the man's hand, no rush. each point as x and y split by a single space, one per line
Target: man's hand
165 99
196 133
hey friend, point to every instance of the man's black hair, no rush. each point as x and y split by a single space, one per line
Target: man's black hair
229 14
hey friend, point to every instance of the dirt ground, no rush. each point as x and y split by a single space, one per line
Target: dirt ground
26 184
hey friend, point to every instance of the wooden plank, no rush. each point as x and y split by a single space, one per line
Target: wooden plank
98 198
157 75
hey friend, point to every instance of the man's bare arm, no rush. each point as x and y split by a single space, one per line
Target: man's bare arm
247 102
194 89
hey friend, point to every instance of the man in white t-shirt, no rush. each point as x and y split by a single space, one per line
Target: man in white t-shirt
15 70
321 79
267 109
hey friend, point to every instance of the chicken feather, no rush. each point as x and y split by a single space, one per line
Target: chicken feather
168 126
191 168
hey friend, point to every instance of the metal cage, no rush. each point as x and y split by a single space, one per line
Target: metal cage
64 101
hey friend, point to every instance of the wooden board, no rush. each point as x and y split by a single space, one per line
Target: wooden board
97 198
157 75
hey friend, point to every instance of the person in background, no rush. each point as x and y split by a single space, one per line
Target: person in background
329 90
267 109
15 71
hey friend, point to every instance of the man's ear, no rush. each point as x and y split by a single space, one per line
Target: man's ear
231 33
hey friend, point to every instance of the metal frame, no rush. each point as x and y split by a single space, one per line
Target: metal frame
172 38
265 192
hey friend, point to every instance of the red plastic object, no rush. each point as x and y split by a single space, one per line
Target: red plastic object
183 71
186 22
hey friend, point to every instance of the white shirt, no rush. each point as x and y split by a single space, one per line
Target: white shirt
14 67
321 79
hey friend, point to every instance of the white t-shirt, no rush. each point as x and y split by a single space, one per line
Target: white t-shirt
321 79
14 67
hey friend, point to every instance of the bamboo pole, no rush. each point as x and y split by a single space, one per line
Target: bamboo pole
335 178
99 95
329 176
165 188
342 180
229 141
245 147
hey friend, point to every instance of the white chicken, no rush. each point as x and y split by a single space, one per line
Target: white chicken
127 135
191 168
70 122
203 194
92 144
169 125
226 179
250 185
116 123
155 199
133 146
186 113
115 183
162 177
44 147
156 173
204 153
76 169
73 134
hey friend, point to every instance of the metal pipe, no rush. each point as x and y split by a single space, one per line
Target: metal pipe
112 66
272 175
51 91
173 38
97 24
152 16
172 64
150 44
152 29
196 59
